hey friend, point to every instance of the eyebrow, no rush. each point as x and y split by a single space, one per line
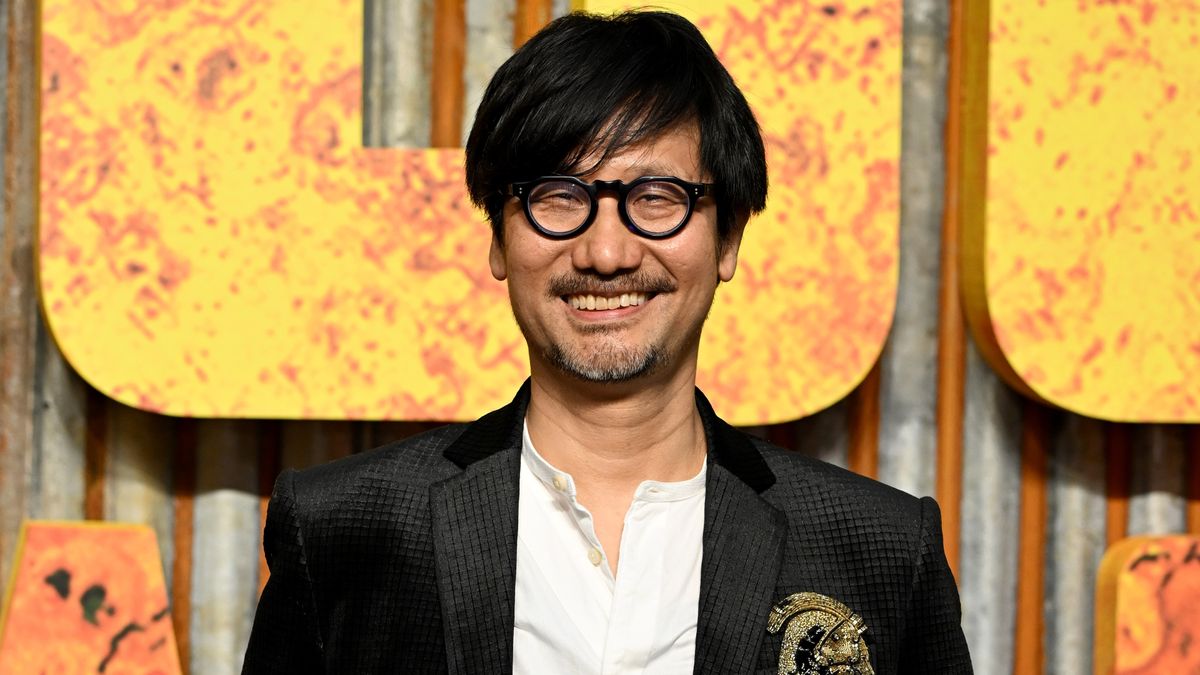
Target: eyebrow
652 169
646 169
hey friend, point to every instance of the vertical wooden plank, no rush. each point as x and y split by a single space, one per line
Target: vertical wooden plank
96 455
990 534
1193 478
226 534
825 435
783 435
184 488
1031 566
1157 503
449 55
489 44
1118 472
528 18
138 486
862 420
18 303
951 342
270 461
307 444
397 54
1076 544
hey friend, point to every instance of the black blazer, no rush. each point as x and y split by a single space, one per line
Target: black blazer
403 559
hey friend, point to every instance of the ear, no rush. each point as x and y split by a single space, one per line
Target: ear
728 249
496 259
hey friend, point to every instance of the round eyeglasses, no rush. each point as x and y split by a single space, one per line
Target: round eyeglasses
651 206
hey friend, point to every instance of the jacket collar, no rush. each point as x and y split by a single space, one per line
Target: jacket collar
501 429
474 517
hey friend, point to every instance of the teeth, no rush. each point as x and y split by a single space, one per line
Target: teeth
600 302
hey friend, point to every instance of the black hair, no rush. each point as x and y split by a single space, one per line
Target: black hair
590 85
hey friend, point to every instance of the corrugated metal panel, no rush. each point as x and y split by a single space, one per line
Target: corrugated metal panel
1077 541
141 447
907 432
991 491
226 534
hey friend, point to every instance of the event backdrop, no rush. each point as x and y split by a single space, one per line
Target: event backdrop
1031 495
215 241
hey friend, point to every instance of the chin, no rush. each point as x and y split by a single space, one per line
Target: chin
607 368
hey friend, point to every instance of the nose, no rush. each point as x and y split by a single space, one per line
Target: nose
607 247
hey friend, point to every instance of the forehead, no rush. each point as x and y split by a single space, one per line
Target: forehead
673 152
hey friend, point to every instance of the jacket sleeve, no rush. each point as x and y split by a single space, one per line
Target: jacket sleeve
934 640
285 637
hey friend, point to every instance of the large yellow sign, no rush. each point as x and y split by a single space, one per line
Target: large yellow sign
215 241
1083 276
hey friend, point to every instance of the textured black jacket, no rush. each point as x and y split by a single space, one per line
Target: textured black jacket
403 559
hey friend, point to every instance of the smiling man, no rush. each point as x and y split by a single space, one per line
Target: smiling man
607 520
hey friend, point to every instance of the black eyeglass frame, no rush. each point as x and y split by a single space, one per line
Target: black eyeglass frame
694 192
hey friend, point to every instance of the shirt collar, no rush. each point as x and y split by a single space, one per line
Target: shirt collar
647 491
501 430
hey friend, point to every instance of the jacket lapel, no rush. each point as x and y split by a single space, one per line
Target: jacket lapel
743 549
475 541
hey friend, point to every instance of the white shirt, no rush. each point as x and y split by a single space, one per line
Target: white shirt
572 614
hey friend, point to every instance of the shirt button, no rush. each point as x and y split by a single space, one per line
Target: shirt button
595 556
560 483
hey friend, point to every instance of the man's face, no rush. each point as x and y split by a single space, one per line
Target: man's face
609 305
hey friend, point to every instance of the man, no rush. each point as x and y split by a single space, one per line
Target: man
606 521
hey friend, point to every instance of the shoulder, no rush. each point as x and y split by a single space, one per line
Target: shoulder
406 465
808 488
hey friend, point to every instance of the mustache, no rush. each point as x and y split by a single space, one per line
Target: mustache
642 282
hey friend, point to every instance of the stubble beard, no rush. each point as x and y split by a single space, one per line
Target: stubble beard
609 363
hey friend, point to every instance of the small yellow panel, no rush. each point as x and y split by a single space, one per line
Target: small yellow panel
215 242
87 598
1091 258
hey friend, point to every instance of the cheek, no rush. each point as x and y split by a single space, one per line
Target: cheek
530 263
692 259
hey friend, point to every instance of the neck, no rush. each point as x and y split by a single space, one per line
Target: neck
617 435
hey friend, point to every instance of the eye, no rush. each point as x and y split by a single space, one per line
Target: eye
658 194
558 194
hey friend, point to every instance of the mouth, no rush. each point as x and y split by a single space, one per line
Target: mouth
595 302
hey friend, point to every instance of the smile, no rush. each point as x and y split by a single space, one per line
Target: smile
588 302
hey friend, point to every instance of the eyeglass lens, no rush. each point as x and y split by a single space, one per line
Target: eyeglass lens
654 206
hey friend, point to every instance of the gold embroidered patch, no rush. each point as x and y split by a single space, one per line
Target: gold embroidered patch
822 637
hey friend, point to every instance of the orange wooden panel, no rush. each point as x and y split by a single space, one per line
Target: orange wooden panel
1030 655
184 510
951 371
449 57
1118 479
529 16
87 597
862 421
1082 249
1148 607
